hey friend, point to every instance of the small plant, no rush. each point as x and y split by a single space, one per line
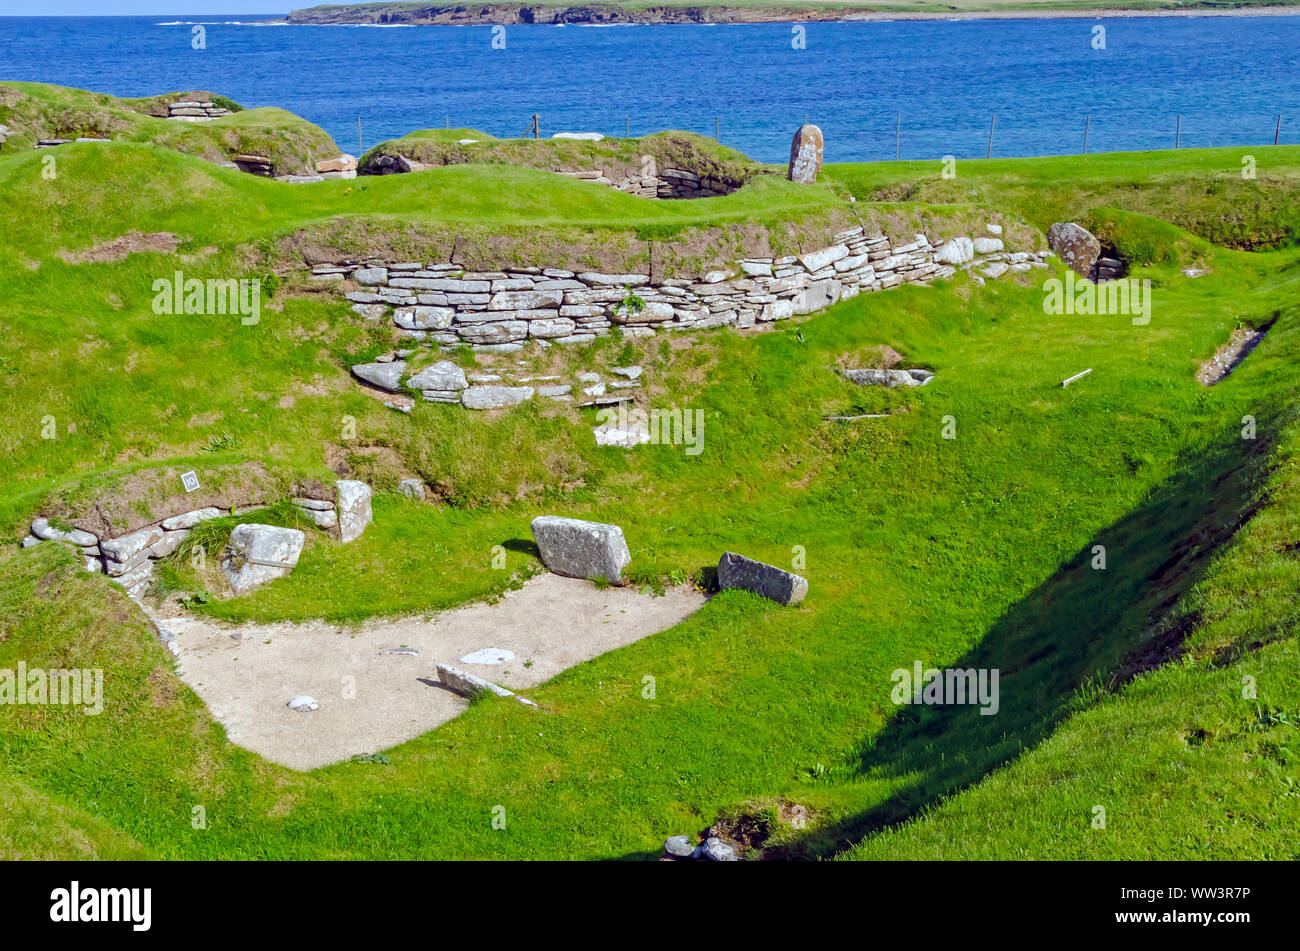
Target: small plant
221 443
631 305
225 103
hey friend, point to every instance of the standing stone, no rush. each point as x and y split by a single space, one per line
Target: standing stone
256 554
579 549
737 571
1074 245
805 155
353 507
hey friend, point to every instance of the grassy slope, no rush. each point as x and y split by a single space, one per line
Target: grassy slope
918 548
1205 750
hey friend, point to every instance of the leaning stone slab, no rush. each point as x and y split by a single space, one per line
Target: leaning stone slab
872 377
386 376
958 250
1075 245
128 546
43 530
737 571
257 554
353 508
468 685
817 297
167 544
580 549
443 375
190 519
816 260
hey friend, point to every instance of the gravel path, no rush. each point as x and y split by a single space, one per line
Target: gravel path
371 700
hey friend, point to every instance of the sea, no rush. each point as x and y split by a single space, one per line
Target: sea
911 89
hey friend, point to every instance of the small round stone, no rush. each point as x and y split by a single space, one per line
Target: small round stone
718 851
679 846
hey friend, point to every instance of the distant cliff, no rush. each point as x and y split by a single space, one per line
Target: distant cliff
417 13
462 13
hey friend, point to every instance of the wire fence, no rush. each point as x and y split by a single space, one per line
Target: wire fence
966 137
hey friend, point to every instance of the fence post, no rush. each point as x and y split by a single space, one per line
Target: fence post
629 127
1087 123
992 122
1278 131
1178 135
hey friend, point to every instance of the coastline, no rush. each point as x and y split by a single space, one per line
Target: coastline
523 14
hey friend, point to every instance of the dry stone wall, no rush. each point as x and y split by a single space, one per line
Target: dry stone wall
195 110
666 183
129 559
669 183
445 305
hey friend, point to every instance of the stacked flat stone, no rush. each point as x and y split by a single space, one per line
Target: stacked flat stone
497 311
342 166
254 164
195 110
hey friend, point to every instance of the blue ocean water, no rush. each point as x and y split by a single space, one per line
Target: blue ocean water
1228 77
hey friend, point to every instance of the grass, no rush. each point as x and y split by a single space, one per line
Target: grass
966 551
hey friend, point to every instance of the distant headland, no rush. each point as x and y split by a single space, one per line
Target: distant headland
544 12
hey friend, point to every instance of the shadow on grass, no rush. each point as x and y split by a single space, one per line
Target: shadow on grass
1084 627
524 546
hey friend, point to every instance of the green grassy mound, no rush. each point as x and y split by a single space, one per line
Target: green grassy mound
617 158
35 111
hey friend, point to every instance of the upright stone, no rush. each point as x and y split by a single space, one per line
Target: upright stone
1074 245
805 155
353 507
580 549
737 571
256 554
